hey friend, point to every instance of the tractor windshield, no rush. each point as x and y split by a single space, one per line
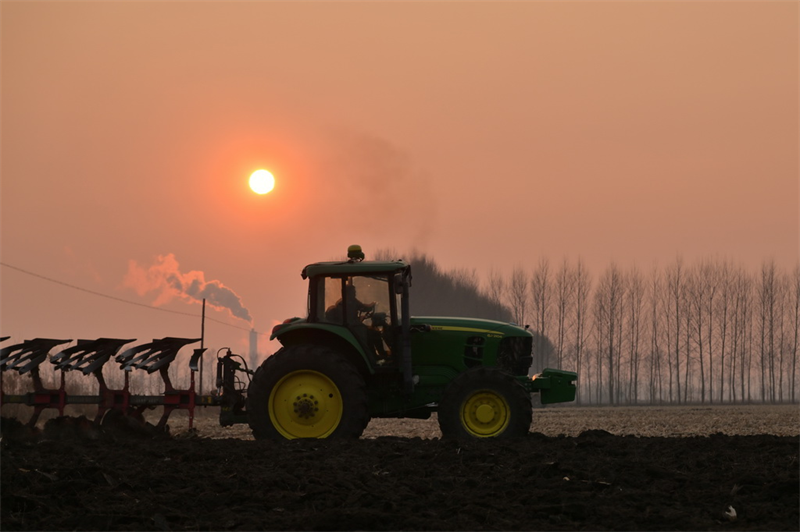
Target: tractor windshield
363 304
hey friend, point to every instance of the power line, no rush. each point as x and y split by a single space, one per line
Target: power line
129 302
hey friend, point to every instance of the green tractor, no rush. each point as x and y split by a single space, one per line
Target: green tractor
360 355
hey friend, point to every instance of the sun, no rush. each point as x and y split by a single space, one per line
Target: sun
261 181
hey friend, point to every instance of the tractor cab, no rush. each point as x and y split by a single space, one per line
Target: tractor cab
365 305
361 306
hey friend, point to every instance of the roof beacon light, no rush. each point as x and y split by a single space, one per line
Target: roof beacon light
355 254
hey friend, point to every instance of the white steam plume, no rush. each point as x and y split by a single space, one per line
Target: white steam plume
166 278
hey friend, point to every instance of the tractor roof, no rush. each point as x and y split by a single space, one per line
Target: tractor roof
352 267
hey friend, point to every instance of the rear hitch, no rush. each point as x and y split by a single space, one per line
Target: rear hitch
231 390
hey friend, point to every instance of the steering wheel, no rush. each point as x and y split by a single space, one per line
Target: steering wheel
366 314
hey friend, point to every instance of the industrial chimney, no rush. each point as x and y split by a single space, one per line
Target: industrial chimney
253 349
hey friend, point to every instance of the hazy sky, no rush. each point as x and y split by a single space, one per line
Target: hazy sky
485 134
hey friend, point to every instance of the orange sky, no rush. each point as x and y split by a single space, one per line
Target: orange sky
486 134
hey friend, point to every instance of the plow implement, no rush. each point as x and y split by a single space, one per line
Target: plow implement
89 357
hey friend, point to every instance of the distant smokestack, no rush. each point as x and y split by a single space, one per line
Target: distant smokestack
253 349
165 277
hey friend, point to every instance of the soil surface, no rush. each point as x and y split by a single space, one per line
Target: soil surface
69 476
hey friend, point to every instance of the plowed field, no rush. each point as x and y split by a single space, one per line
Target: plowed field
578 477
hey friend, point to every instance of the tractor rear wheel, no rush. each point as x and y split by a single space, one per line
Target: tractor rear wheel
307 391
485 403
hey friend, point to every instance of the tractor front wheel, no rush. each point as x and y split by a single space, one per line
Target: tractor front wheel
307 391
485 403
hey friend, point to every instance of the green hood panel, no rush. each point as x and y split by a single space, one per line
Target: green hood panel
469 325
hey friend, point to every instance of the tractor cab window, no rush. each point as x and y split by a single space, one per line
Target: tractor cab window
363 304
330 300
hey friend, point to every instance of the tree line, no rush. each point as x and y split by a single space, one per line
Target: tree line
708 332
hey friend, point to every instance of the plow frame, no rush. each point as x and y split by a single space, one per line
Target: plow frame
90 356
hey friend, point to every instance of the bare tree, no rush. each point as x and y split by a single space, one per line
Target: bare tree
541 296
565 296
710 276
701 290
781 318
608 305
795 284
767 299
599 312
723 315
695 293
655 387
634 303
742 334
675 299
517 294
497 287
583 285
687 384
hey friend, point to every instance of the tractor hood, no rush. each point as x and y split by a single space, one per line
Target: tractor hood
462 343
468 325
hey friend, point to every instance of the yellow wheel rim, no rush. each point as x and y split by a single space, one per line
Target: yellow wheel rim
305 404
485 414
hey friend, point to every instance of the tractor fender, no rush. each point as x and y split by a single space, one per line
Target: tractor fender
333 336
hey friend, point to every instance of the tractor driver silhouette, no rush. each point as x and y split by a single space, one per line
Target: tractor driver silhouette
357 312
